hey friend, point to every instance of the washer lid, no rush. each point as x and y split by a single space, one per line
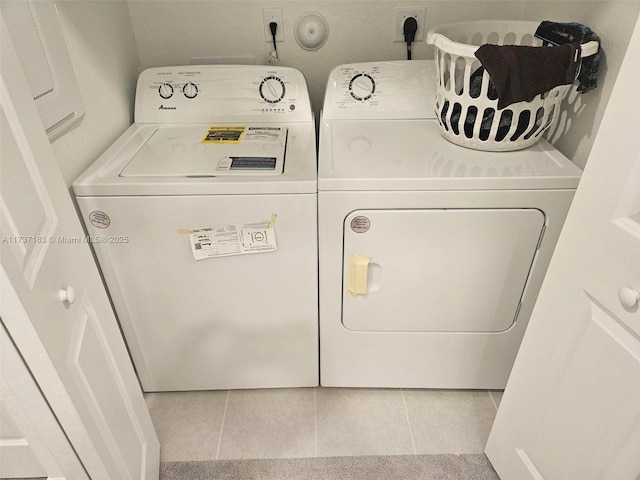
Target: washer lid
191 151
135 164
412 155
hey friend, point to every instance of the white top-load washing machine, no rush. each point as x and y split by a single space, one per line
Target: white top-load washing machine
203 217
431 255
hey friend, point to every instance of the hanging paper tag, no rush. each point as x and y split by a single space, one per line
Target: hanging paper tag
233 239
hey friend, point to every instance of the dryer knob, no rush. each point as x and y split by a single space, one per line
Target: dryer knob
362 87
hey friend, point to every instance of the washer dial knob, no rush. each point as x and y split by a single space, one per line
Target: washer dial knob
190 90
362 87
272 89
165 90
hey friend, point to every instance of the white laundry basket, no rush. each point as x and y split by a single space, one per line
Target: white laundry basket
467 109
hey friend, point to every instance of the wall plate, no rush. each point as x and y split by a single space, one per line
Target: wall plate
419 13
273 15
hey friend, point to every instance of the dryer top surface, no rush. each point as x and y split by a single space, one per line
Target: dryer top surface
412 155
379 132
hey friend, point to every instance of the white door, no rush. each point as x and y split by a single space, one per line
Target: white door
60 318
571 409
32 444
438 270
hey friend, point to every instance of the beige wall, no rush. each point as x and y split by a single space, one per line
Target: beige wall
110 41
171 32
613 21
104 54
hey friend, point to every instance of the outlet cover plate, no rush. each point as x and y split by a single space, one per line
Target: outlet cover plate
419 13
273 15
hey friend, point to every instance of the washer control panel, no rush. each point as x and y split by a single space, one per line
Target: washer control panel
228 93
397 89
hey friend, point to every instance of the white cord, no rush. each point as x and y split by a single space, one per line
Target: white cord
273 59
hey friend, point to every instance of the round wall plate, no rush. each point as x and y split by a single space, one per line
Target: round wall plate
311 31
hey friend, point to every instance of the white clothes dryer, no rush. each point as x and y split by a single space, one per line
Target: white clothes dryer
431 255
203 217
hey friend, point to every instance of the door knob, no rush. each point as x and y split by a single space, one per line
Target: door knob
629 298
68 295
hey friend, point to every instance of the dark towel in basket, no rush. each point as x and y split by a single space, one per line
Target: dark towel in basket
554 33
519 73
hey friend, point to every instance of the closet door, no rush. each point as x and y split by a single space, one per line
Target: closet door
54 305
32 444
571 409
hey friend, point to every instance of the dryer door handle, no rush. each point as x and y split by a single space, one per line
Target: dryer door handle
374 277
363 276
357 274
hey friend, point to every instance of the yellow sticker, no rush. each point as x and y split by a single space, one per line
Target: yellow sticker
224 135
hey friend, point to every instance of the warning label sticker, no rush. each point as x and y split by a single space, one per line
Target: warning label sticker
218 135
99 219
233 239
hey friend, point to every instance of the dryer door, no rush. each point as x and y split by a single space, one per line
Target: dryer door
437 270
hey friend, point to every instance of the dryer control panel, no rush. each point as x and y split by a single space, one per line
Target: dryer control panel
376 90
222 93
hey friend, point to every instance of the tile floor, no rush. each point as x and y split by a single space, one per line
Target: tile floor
320 422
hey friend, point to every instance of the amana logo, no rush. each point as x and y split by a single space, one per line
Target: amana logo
162 107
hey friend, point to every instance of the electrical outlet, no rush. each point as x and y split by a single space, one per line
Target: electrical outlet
419 13
273 15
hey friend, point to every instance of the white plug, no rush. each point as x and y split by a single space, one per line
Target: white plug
273 58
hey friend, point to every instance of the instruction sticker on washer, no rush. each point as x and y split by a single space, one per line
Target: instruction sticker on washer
223 135
233 239
233 135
